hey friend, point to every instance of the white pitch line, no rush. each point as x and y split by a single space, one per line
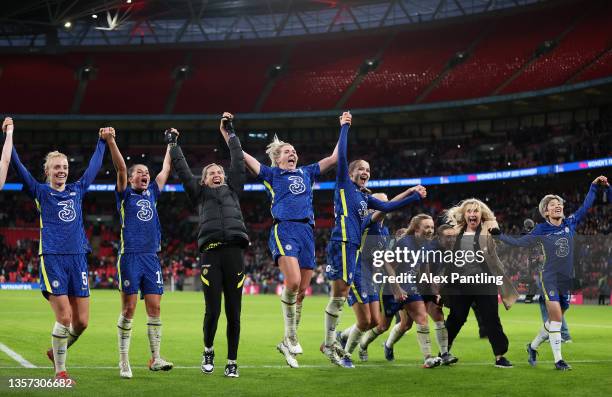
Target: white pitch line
570 324
316 366
16 356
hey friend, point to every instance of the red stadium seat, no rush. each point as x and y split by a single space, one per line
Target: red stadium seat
412 61
602 67
35 84
134 82
501 53
589 38
319 72
226 79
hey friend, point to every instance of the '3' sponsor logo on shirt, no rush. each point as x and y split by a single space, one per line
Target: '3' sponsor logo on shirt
297 185
67 213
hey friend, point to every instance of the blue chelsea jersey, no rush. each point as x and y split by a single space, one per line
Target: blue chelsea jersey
557 242
290 191
140 227
61 213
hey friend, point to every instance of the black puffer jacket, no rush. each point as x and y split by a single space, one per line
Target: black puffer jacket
221 218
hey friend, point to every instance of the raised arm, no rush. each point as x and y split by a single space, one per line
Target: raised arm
590 198
96 159
417 194
189 181
164 174
30 183
525 241
5 161
237 175
378 215
327 163
342 173
118 161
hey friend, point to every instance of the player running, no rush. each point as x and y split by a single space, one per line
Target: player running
405 298
138 265
421 227
363 295
7 128
556 237
290 189
63 246
351 203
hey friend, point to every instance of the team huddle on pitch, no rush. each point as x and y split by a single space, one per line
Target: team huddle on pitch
352 264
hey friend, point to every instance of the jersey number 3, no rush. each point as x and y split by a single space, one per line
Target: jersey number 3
146 212
67 213
297 185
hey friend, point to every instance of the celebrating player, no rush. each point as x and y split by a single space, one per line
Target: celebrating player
556 236
363 295
351 203
472 219
222 238
63 246
422 228
405 297
291 242
7 128
138 265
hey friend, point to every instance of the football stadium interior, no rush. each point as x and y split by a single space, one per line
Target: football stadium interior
505 101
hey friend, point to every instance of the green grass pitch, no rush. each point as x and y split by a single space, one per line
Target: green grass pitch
26 322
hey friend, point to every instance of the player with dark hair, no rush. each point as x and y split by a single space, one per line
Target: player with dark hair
63 246
138 265
291 242
5 160
351 203
556 237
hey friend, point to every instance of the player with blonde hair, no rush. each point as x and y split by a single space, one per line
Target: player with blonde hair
556 237
421 227
63 246
292 244
352 199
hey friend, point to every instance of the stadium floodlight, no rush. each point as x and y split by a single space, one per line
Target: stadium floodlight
368 65
86 73
67 25
94 16
181 72
275 70
458 58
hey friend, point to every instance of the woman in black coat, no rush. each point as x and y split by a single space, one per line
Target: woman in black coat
222 238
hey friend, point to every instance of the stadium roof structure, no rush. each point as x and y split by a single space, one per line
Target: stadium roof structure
49 24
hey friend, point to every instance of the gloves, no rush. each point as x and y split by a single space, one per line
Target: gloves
495 232
229 126
170 137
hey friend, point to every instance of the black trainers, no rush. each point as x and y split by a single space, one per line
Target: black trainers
562 366
208 362
231 371
503 362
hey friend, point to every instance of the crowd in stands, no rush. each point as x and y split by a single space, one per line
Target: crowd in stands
511 202
390 157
